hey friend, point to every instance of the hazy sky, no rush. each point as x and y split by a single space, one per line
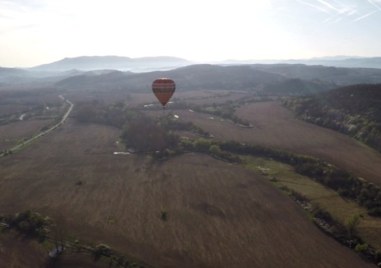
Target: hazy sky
34 32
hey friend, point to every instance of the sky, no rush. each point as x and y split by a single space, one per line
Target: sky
34 32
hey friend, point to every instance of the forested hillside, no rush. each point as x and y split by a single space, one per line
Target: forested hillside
354 110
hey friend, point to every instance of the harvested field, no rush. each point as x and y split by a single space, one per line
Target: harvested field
218 215
275 126
13 133
18 252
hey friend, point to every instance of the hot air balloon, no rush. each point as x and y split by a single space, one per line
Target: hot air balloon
163 88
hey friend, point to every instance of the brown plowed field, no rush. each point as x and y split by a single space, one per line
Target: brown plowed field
18 252
280 128
219 215
275 126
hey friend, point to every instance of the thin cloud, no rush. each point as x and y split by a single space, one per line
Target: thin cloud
21 15
23 3
8 13
332 20
5 16
338 2
327 20
14 7
338 19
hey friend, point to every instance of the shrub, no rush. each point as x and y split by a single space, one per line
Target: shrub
164 215
101 250
202 145
361 248
215 150
352 225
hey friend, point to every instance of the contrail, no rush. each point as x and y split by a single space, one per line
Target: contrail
352 12
340 9
372 2
328 5
314 6
338 2
365 16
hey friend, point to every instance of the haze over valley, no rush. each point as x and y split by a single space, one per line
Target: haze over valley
200 134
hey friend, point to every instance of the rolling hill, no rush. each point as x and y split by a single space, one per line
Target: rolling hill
269 79
278 79
18 76
334 75
296 86
9 74
198 77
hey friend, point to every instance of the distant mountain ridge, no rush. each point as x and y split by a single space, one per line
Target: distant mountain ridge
90 63
202 76
144 64
335 61
336 75
374 62
18 76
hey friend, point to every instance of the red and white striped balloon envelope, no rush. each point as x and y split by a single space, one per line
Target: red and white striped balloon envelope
163 88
